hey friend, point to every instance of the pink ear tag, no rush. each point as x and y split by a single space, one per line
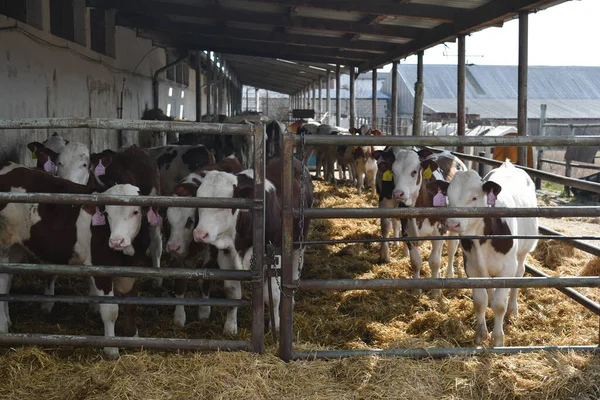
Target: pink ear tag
99 170
50 167
491 199
439 200
153 218
98 219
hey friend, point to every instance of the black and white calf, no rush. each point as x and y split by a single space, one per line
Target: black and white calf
231 231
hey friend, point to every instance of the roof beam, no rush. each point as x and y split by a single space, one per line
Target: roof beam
299 79
408 10
284 66
270 84
301 75
219 13
470 21
260 36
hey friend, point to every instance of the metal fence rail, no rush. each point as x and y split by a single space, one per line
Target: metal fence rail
289 286
255 276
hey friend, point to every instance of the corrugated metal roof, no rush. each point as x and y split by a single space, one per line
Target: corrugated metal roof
327 14
500 82
507 108
469 4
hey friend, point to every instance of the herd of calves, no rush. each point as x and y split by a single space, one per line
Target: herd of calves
126 235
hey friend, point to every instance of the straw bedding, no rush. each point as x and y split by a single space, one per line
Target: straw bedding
338 320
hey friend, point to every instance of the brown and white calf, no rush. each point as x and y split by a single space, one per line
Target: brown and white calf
400 179
66 234
365 164
181 246
505 186
231 231
55 144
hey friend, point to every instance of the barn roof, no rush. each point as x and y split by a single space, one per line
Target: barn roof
569 91
313 33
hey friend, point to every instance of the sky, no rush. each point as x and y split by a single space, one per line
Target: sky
566 34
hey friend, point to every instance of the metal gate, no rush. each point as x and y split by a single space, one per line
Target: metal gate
289 286
257 131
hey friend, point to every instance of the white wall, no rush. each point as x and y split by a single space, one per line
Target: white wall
42 75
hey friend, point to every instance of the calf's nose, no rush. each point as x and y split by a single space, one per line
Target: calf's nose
115 242
200 236
173 247
398 194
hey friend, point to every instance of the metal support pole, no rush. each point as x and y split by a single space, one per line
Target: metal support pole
522 84
328 102
338 94
198 86
287 217
352 121
209 80
313 89
258 224
267 104
320 95
374 99
256 100
481 166
394 110
247 97
540 155
461 113
418 107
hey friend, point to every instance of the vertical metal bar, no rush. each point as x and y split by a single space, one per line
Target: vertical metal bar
256 99
321 95
198 86
394 110
258 224
418 107
460 106
328 102
481 166
247 97
374 99
338 111
209 79
314 96
267 104
352 122
287 321
522 84
540 155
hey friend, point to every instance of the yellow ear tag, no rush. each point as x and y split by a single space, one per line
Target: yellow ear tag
34 154
427 173
388 176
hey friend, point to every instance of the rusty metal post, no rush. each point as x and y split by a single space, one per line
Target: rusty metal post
540 155
287 298
418 107
481 166
258 224
198 86
374 99
461 113
338 103
394 108
352 117
522 83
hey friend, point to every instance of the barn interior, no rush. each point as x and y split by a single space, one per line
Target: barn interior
191 58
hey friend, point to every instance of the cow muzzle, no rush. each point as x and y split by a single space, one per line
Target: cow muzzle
453 226
200 236
117 243
173 247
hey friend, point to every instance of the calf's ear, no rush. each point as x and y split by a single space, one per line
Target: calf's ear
352 131
433 187
428 167
493 187
424 153
185 190
44 154
376 132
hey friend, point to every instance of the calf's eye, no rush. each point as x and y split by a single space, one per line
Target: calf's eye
413 173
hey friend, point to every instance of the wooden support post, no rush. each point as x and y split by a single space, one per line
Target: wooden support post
338 111
198 86
418 107
374 99
522 84
352 121
461 107
394 110
328 102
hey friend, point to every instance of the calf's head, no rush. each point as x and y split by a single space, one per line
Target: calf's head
407 167
74 162
182 222
466 189
124 221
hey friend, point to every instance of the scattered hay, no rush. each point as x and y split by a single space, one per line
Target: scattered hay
592 268
552 252
356 319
